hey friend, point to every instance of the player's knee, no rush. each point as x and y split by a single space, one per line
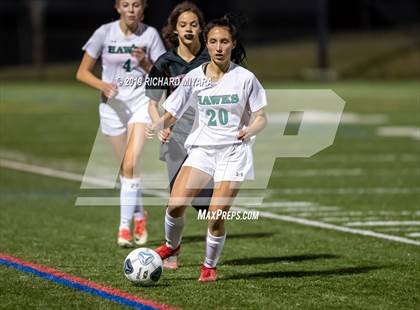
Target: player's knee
128 166
177 202
176 210
216 227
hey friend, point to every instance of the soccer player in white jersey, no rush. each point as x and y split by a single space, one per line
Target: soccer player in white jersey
226 97
128 49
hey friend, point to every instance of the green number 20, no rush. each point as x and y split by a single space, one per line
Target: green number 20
222 116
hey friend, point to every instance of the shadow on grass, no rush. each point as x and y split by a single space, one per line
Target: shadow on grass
269 260
301 274
278 259
152 286
202 238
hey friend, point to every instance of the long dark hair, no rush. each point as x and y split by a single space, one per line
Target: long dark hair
171 38
232 22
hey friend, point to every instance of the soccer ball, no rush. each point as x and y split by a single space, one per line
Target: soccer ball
143 266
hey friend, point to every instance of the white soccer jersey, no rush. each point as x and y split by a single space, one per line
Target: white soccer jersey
223 108
118 66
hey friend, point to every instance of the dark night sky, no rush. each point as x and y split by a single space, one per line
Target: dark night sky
70 23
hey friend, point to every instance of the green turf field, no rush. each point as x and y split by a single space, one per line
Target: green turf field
365 181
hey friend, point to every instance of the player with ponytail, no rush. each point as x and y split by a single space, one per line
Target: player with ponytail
229 114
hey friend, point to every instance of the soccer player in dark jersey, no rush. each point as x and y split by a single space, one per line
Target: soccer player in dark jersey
186 51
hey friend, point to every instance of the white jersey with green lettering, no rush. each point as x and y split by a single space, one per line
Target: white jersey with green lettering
118 66
224 108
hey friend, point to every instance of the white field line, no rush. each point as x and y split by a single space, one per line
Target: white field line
349 172
294 206
78 178
385 223
320 172
336 219
288 204
65 175
358 213
402 229
346 191
318 117
346 219
390 157
349 230
308 211
414 234
399 132
71 176
162 199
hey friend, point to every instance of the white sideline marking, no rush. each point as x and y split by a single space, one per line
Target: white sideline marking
310 211
162 199
398 229
399 131
303 213
335 219
10 164
294 206
346 219
346 191
403 157
72 177
414 234
287 204
354 231
350 172
385 223
319 117
320 172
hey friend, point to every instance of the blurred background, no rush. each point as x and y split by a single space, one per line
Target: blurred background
301 39
367 182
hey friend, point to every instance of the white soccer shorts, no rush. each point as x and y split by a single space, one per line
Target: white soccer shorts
115 116
223 163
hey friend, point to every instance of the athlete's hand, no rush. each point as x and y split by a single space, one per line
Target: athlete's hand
140 55
150 131
164 135
245 134
109 90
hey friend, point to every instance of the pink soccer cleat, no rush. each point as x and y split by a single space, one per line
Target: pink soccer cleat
124 238
207 274
140 231
164 251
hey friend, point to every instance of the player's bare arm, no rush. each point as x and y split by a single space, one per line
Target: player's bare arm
258 124
163 125
85 75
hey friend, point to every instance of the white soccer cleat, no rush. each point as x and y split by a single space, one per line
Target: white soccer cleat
171 263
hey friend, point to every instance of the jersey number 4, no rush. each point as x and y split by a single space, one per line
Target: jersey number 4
222 116
127 65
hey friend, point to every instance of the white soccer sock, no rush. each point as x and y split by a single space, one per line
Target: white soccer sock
139 210
128 200
214 247
173 230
